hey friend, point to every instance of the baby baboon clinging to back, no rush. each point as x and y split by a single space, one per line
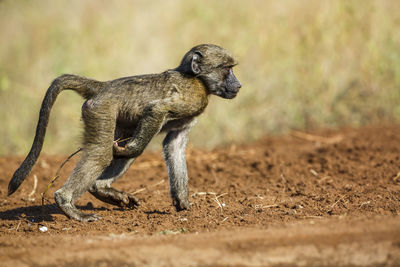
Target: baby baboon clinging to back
134 108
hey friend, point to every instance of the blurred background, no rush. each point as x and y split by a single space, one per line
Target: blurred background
303 64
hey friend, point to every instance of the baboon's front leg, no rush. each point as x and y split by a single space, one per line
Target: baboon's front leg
147 128
174 146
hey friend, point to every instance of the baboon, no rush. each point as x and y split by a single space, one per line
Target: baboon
135 108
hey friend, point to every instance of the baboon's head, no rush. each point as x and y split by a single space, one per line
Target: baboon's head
212 65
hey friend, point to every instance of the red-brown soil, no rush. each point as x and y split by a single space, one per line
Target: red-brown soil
332 197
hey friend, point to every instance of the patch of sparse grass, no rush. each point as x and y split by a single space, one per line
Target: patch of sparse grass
173 232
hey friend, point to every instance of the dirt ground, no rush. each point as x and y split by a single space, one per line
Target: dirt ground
325 198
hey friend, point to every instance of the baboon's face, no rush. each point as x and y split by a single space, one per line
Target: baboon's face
222 82
213 65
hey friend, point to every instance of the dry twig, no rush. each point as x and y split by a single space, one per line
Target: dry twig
203 193
269 206
337 201
314 172
58 173
283 182
18 226
219 205
144 188
364 204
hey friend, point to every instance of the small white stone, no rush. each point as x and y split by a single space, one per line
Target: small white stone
223 205
43 229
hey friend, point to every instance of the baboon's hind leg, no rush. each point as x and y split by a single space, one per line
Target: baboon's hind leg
103 191
97 155
81 179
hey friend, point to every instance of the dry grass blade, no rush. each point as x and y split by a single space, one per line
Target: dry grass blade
284 182
324 179
119 140
148 164
337 201
30 198
261 206
145 188
364 204
203 193
316 138
210 156
58 173
270 206
223 194
219 205
396 178
313 217
314 172
139 190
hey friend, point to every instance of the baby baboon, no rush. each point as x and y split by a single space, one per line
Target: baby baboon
134 108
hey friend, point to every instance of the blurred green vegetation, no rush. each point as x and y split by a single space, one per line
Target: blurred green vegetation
303 64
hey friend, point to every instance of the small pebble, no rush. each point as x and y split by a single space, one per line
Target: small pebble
43 229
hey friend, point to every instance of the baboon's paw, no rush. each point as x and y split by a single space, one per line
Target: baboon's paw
115 197
87 217
181 204
129 201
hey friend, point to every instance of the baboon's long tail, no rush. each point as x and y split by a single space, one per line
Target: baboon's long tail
87 88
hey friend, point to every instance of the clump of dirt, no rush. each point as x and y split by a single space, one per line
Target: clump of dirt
351 173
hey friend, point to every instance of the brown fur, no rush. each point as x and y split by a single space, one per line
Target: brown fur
134 108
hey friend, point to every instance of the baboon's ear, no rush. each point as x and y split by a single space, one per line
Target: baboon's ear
195 64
